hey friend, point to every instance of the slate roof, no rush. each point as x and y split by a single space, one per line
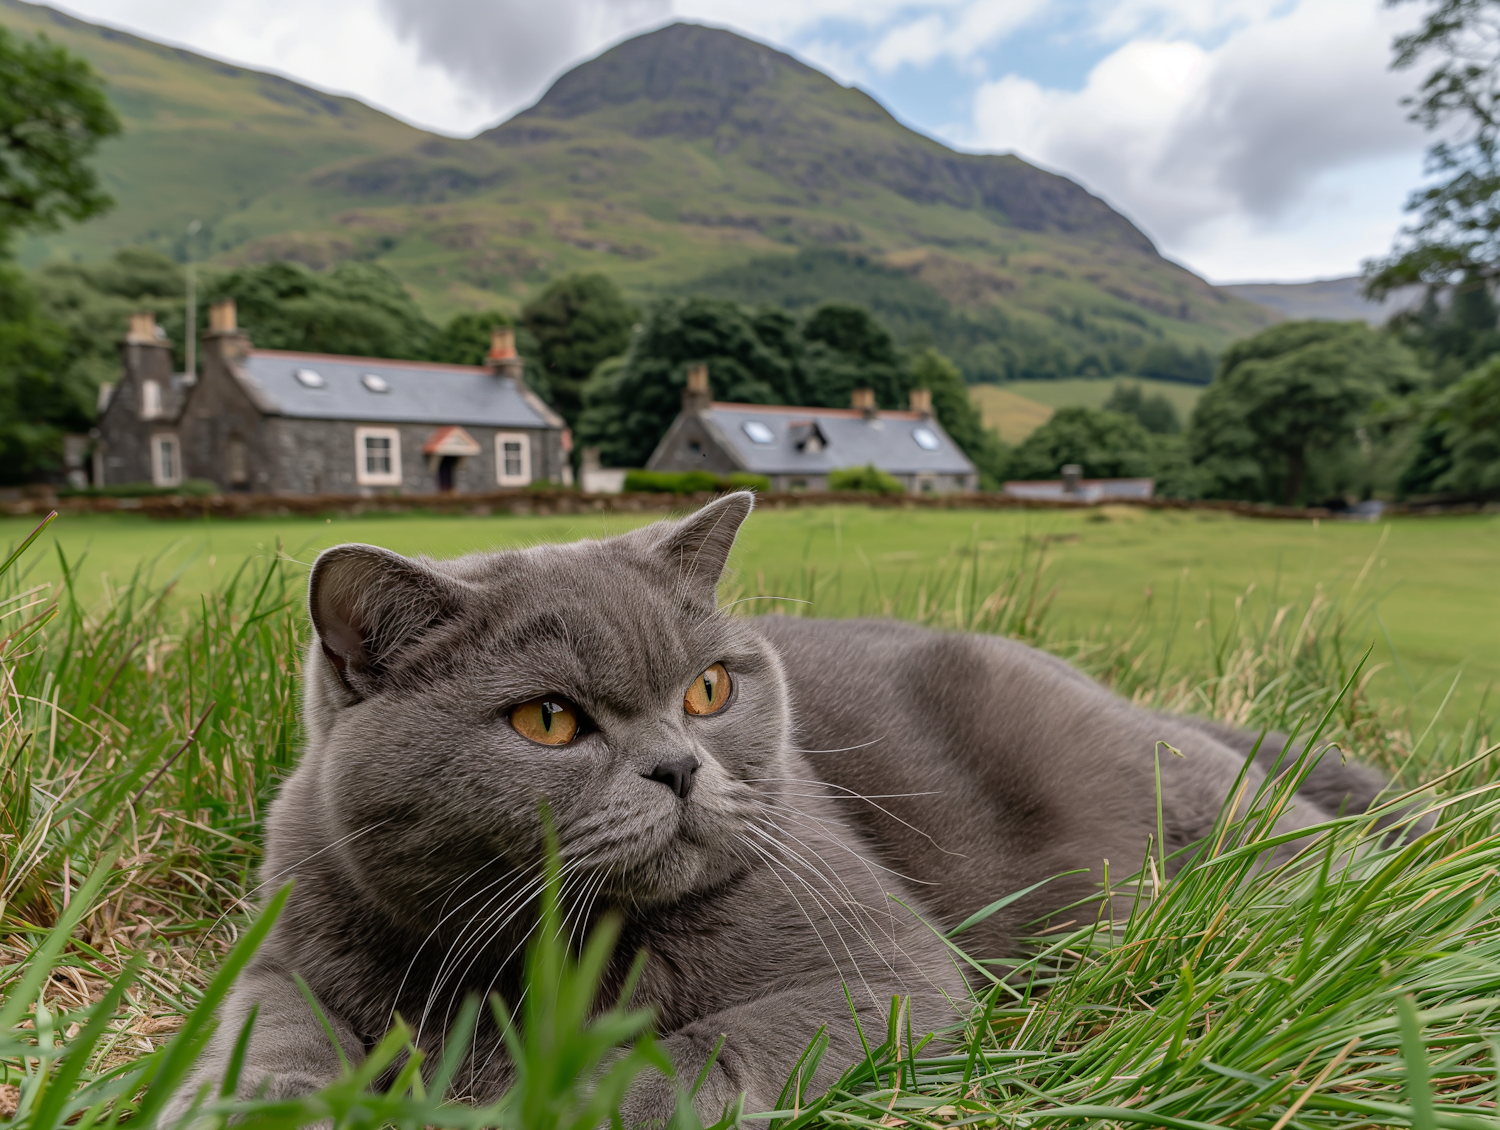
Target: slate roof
418 392
888 441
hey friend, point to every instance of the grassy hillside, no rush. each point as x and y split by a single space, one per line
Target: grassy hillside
203 140
670 160
1018 408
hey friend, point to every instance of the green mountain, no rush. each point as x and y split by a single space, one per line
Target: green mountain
686 160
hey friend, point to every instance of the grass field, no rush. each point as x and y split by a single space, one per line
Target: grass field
142 732
1426 600
1018 408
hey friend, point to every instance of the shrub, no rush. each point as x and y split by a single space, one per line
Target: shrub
190 488
867 478
1107 445
693 482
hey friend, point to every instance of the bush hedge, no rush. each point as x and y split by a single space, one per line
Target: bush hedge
693 482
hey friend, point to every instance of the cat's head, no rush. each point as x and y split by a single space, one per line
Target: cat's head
450 703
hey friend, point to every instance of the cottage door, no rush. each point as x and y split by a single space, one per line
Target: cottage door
445 470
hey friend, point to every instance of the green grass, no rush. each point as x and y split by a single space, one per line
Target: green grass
1427 601
142 732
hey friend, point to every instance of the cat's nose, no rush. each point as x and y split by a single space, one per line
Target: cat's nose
676 775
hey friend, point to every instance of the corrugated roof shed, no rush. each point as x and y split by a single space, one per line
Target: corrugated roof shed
382 391
772 440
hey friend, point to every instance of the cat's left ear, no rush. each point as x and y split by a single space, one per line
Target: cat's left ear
697 547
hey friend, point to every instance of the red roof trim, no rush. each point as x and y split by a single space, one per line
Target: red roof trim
401 363
814 413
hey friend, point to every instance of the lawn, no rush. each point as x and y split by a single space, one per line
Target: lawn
142 732
1426 597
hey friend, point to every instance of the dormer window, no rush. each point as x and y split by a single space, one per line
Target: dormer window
926 439
758 432
807 437
150 400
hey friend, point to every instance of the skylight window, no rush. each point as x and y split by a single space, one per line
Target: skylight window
374 383
758 432
926 440
309 378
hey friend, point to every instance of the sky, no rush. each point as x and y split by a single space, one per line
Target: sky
1250 139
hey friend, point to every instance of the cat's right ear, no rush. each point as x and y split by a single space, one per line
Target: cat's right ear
368 604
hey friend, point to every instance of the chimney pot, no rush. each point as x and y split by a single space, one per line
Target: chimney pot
921 401
222 318
863 400
143 329
696 396
502 343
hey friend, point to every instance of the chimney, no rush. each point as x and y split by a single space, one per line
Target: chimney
863 400
696 396
1071 474
225 341
143 330
504 360
921 402
222 318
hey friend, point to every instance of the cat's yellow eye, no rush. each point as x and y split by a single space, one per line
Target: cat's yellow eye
545 720
709 692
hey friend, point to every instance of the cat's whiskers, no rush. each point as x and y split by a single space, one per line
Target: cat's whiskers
475 937
514 877
810 819
241 902
853 795
846 900
855 905
777 868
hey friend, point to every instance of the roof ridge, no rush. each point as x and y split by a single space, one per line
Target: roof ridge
398 362
806 410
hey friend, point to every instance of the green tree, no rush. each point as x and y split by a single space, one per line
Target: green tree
1454 336
1154 413
845 348
465 340
38 401
1279 423
960 419
1455 240
577 322
628 406
53 115
359 309
1458 447
92 303
1107 445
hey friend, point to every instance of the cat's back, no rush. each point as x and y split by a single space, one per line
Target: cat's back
975 765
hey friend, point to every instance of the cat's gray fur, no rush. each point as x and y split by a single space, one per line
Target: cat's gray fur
414 834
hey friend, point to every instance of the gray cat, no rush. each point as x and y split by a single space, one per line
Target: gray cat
783 812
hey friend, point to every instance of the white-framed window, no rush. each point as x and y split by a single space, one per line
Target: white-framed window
150 400
512 459
377 453
166 461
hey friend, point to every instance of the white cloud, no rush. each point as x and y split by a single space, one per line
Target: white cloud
508 51
959 34
1208 148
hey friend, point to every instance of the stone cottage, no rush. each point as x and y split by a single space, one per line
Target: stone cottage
277 422
797 447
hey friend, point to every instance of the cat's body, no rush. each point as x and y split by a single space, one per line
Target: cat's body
775 856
